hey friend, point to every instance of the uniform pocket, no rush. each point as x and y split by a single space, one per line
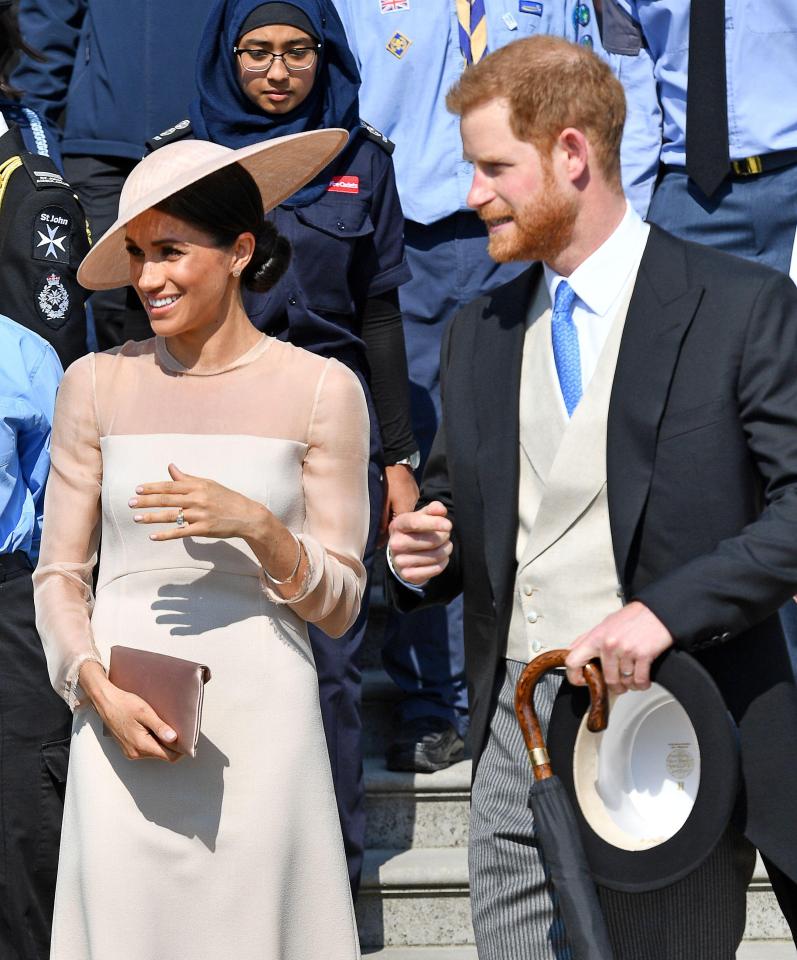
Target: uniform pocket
53 766
324 245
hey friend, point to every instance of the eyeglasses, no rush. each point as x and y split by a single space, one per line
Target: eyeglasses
256 60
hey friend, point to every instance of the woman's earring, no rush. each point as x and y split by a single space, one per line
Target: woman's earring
236 273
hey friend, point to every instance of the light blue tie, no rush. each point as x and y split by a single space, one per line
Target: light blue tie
566 353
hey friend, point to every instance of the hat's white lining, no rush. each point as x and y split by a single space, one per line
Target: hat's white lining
636 782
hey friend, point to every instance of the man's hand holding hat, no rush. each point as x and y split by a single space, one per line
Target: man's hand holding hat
627 642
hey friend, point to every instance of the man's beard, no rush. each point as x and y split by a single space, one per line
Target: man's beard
543 228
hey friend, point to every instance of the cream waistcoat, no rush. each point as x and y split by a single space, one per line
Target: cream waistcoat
566 580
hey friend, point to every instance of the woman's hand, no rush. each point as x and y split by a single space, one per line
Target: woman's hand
136 727
208 508
401 495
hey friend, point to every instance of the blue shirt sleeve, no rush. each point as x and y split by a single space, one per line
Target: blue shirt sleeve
642 135
33 442
52 27
641 147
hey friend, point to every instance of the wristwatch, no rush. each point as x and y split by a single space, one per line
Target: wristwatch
413 461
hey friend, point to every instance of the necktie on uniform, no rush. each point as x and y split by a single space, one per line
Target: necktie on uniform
566 353
472 30
707 153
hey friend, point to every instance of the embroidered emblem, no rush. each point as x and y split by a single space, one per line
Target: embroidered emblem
530 6
53 299
344 185
398 45
581 15
392 6
51 230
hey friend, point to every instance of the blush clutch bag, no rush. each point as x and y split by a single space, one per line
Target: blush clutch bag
174 688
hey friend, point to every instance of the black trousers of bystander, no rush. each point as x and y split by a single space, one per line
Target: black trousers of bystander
35 725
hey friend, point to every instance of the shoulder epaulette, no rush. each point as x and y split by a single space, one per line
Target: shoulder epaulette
180 131
378 137
42 171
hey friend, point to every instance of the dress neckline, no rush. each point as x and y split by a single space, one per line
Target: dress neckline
168 362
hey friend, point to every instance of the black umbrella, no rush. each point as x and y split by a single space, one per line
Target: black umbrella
554 818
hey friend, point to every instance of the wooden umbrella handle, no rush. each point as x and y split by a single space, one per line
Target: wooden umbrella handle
597 719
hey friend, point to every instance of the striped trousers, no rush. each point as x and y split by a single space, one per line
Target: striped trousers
515 916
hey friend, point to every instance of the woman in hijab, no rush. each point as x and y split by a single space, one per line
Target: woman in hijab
271 69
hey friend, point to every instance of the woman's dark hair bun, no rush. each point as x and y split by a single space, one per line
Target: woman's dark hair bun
226 204
269 261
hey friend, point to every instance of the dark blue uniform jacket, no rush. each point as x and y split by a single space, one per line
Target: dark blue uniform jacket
120 71
347 246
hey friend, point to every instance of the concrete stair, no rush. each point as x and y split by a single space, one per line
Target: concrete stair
750 950
414 900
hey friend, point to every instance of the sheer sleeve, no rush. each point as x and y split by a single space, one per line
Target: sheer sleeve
63 578
335 477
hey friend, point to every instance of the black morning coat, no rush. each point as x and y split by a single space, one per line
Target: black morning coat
702 487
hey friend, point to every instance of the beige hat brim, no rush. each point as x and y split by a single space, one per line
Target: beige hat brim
279 167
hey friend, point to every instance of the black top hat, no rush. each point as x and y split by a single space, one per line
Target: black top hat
655 791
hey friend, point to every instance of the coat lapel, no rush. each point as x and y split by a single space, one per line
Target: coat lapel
662 307
497 360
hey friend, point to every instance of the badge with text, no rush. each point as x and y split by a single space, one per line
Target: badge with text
51 229
344 185
393 6
398 45
530 6
53 300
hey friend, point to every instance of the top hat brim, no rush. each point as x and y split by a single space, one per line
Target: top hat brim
635 871
279 167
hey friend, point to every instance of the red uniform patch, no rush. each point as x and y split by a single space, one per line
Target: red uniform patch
344 185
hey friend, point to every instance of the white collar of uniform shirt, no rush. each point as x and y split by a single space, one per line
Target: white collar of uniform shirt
3 125
598 283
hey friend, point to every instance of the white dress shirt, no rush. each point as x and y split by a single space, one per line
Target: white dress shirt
598 283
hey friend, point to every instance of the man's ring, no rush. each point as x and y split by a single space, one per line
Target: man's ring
180 518
626 673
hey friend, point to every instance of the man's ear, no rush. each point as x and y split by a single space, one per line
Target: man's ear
575 149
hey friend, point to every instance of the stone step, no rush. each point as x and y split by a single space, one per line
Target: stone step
420 898
421 953
750 950
407 810
764 919
416 897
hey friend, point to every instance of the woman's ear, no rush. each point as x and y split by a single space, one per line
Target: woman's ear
242 252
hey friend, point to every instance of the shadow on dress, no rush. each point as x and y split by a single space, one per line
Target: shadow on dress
193 807
206 603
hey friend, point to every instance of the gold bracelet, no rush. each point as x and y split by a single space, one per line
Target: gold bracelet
295 569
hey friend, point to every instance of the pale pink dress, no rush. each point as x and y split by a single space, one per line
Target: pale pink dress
237 853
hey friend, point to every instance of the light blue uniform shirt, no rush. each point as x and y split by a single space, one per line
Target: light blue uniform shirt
30 372
404 96
761 70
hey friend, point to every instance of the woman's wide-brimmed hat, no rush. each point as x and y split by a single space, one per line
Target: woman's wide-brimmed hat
279 167
654 792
